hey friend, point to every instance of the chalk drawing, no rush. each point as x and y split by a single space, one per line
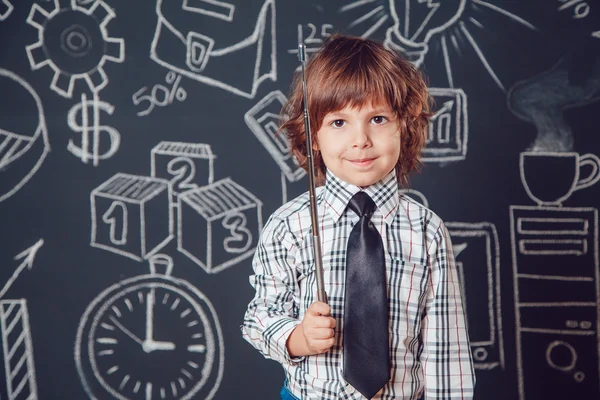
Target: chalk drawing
150 317
186 166
477 253
448 129
564 167
418 26
17 350
218 224
23 141
543 99
6 9
131 215
197 38
28 257
313 36
556 303
84 118
74 42
160 95
263 120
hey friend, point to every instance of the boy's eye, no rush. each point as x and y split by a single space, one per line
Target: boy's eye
338 123
379 119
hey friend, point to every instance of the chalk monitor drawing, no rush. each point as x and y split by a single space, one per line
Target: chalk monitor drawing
73 40
23 141
477 253
231 47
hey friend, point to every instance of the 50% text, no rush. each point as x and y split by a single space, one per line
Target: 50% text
160 95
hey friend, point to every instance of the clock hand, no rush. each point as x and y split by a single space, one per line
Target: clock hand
154 345
149 316
149 344
126 331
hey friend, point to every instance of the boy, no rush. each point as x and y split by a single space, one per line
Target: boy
369 110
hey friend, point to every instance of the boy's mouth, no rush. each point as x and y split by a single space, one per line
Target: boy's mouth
361 162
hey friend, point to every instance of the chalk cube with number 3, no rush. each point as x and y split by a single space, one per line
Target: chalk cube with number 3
131 215
218 224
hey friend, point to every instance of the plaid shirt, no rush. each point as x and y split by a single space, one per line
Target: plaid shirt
429 347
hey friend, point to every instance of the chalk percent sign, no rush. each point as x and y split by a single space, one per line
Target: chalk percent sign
160 95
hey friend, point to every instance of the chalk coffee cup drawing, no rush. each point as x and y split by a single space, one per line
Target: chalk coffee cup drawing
550 178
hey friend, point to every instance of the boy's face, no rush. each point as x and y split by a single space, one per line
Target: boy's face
360 145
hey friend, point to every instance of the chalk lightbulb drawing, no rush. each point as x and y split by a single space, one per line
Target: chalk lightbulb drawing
418 25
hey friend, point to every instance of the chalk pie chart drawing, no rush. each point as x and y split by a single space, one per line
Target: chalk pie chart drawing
23 134
150 337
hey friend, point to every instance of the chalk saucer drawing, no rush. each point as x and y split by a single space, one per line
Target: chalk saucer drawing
23 141
74 42
212 41
150 337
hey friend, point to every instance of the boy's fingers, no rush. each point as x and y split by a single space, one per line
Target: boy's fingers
319 308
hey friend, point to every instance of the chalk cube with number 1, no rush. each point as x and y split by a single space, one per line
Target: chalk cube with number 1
218 225
131 215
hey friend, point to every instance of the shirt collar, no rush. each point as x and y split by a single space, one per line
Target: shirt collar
384 193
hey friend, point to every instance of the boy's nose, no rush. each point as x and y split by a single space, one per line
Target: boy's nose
362 138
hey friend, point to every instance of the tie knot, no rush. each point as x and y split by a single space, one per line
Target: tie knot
362 204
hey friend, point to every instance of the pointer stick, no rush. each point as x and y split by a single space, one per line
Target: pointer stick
321 295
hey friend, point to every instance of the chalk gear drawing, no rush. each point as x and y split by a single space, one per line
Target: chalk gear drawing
74 42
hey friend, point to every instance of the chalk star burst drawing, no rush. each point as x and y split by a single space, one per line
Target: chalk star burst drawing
74 42
419 26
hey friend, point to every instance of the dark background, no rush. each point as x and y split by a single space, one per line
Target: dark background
517 40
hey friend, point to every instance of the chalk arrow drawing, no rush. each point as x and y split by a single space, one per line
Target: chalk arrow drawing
28 256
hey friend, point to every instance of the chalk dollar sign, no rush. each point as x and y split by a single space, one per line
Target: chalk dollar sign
87 126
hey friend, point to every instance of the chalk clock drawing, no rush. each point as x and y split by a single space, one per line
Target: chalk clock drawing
6 9
23 141
73 40
203 39
150 337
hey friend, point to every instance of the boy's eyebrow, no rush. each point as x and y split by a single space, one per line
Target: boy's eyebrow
378 110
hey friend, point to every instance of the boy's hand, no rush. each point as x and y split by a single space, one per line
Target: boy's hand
315 334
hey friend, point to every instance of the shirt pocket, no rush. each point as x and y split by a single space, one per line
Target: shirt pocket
407 290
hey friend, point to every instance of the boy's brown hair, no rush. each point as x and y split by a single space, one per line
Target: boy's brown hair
350 71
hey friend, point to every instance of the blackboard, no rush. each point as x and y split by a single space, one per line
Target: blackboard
138 164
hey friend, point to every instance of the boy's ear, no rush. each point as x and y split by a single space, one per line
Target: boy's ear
315 142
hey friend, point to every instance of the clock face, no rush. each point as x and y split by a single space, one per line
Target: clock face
151 338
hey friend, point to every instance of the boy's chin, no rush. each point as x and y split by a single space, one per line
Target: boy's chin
361 180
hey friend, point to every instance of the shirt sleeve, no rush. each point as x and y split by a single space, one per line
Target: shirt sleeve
446 356
272 314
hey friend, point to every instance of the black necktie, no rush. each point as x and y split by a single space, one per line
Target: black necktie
366 337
